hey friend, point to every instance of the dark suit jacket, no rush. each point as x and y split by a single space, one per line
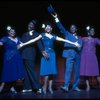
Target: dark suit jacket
29 51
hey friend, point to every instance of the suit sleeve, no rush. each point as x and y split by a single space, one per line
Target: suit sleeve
61 27
81 45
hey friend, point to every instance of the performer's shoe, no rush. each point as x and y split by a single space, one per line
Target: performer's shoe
76 89
39 91
43 91
65 89
13 90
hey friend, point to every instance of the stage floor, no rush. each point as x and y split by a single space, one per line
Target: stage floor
58 94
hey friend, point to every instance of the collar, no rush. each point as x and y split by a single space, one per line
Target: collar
75 35
31 33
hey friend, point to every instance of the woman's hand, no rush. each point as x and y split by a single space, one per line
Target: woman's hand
45 54
20 45
77 44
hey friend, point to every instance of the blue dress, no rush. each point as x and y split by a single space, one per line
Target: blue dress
12 64
48 66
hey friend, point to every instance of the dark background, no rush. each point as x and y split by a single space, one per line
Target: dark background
19 13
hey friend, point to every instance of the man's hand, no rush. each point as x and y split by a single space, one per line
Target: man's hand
54 15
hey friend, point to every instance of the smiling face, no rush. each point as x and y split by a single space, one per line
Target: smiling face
31 26
48 28
91 32
73 29
12 33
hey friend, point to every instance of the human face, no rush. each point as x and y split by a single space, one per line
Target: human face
12 33
48 29
31 26
91 32
73 29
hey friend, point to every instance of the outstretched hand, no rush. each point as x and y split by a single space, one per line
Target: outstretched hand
77 44
20 45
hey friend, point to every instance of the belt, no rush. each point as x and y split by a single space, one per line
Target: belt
74 48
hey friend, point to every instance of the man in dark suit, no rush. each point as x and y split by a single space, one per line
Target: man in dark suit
31 81
72 55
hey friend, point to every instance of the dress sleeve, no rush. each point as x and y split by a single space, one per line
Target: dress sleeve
97 40
19 40
42 34
54 36
3 40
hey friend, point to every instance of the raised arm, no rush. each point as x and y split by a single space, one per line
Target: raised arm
59 24
33 40
67 41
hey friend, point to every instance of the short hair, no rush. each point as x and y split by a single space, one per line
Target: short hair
33 21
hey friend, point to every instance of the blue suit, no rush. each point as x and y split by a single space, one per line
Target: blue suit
72 55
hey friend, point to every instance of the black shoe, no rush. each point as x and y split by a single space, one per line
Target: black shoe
65 89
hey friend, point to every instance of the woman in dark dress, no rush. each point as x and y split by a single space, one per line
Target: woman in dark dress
13 69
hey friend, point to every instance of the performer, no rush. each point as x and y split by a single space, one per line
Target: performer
89 64
70 53
13 69
31 81
48 66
